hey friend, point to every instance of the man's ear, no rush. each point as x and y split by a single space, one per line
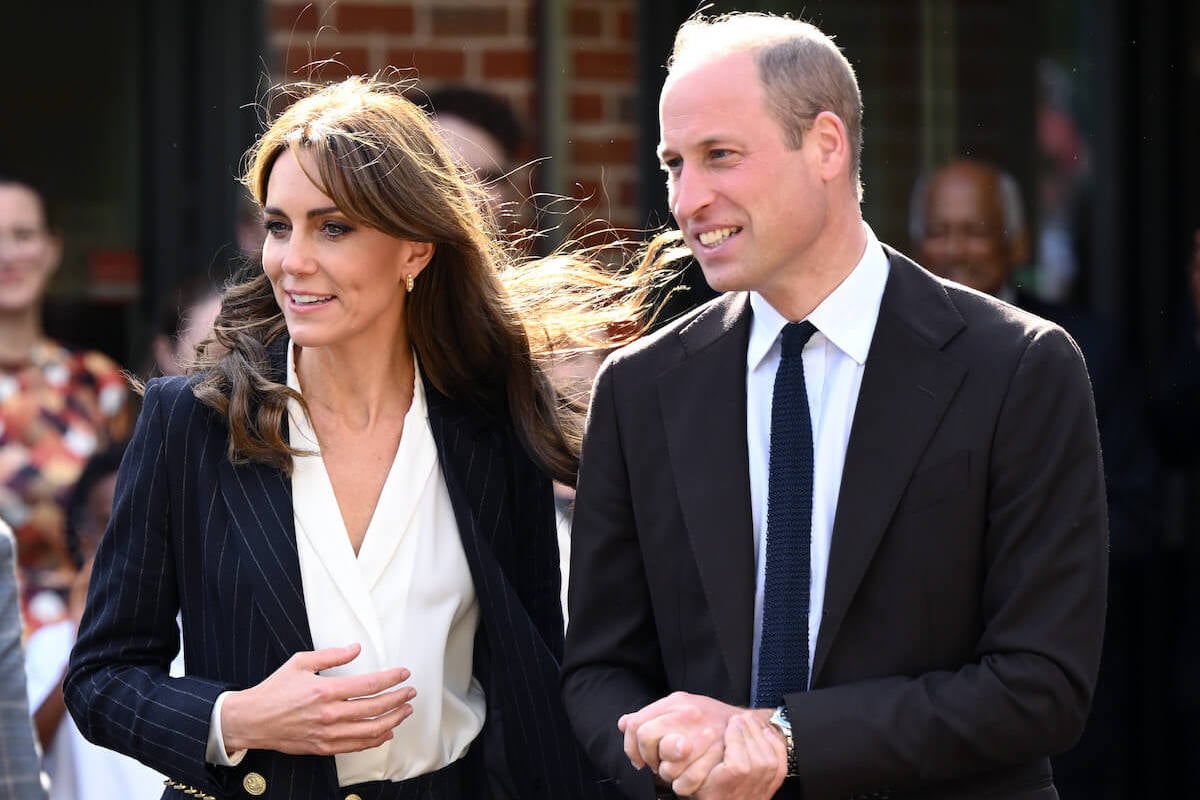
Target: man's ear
828 133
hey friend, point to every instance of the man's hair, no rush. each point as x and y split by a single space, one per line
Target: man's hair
481 108
1006 187
801 69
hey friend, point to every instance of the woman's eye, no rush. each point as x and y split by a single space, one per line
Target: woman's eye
335 229
275 226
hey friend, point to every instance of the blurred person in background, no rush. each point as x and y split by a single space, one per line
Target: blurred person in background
58 405
183 324
968 225
76 768
486 136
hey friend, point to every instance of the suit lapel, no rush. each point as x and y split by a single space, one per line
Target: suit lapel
475 478
907 385
258 499
706 393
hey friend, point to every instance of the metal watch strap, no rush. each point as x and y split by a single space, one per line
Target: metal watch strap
781 721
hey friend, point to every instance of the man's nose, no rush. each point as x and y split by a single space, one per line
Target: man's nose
689 194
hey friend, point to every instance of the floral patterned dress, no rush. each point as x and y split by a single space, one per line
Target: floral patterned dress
57 407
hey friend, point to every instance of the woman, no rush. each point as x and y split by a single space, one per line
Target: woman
349 501
57 405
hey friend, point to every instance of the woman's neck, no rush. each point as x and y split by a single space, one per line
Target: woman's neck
360 386
20 331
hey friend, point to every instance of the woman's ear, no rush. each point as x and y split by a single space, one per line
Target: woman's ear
416 256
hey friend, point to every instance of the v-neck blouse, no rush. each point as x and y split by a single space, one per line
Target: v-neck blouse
407 596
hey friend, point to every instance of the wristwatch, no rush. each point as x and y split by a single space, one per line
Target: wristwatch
781 721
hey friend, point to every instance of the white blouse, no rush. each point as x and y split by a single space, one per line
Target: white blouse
407 597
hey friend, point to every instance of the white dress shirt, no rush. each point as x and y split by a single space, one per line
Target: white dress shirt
834 359
407 597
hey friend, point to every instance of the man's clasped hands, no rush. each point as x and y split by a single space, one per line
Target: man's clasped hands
703 748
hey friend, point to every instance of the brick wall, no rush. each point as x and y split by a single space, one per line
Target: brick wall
493 44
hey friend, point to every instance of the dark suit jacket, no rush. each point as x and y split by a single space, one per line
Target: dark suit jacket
964 605
193 534
1130 464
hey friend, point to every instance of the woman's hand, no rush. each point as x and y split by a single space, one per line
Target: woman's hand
299 712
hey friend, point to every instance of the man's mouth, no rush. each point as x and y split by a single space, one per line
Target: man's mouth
717 236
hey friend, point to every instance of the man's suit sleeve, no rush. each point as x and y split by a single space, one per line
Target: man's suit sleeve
20 766
117 687
1026 691
612 658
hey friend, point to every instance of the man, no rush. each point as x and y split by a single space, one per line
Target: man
968 225
904 575
20 765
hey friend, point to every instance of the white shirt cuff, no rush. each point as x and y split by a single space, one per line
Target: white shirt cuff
216 742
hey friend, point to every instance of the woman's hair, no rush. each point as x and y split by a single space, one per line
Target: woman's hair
479 316
13 177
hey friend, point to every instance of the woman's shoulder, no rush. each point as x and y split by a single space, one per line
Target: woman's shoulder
173 397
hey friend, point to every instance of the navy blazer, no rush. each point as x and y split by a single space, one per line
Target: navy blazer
195 535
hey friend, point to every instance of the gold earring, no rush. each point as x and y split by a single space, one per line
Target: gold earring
408 282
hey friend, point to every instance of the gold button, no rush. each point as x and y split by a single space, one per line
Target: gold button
254 784
353 797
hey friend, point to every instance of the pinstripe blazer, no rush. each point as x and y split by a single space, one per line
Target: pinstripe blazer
193 533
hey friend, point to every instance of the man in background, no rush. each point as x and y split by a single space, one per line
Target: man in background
968 225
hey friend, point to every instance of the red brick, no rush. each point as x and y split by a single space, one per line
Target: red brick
618 150
604 65
389 19
587 107
508 64
585 22
627 26
470 21
628 194
294 17
324 63
442 64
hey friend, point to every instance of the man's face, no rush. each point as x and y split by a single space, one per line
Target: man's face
965 240
749 206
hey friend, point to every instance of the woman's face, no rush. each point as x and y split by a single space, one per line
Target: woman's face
29 252
337 281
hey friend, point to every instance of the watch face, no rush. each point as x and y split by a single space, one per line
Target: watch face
780 719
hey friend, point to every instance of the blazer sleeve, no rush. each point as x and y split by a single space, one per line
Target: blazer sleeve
612 661
1026 690
117 686
20 766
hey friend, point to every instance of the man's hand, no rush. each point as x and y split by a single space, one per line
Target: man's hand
677 733
297 711
754 766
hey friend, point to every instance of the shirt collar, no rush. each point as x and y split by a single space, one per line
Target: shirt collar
846 317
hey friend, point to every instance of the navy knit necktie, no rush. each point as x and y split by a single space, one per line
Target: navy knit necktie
783 644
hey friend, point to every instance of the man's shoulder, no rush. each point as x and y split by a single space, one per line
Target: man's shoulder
985 319
689 332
